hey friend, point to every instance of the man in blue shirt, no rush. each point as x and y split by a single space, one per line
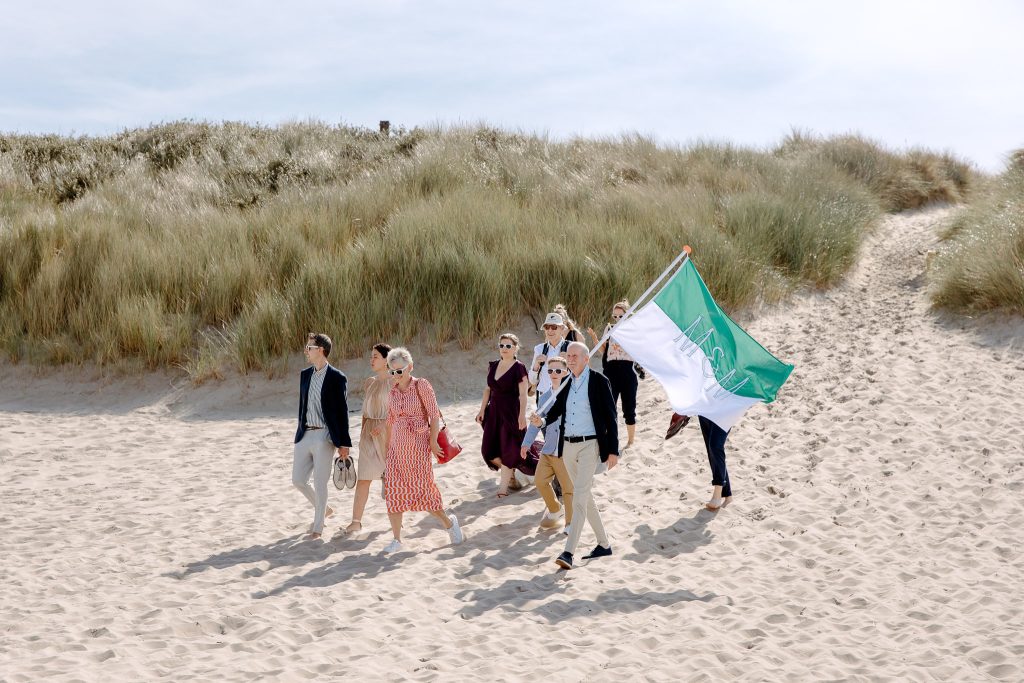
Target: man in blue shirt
586 414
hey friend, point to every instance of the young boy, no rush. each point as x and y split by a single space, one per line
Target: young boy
550 465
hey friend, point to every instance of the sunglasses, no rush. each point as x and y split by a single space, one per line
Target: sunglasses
551 327
555 371
616 317
506 346
399 371
310 347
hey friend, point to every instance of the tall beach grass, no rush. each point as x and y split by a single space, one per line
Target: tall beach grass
212 247
980 265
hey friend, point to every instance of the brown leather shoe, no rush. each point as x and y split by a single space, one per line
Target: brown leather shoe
677 423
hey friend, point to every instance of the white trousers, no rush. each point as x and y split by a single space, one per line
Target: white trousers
314 454
581 461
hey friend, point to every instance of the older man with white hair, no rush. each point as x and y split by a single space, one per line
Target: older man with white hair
586 412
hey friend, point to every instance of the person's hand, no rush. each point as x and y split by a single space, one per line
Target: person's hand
480 418
522 422
537 420
538 361
590 331
436 450
613 460
522 453
343 452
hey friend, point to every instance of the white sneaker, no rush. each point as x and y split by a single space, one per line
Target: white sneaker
455 531
550 519
393 547
523 479
566 529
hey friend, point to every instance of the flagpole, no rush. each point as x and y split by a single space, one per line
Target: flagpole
680 260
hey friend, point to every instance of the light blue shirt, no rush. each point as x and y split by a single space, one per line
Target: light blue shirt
552 435
579 421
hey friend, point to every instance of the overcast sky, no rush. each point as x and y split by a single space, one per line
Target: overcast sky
944 75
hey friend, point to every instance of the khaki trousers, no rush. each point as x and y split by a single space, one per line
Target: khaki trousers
549 467
581 461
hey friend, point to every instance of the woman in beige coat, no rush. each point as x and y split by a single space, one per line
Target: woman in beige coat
372 444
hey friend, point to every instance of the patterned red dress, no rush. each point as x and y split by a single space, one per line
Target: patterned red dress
408 475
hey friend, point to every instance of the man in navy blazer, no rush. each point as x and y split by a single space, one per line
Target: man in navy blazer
590 436
323 427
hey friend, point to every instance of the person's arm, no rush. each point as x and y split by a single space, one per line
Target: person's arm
433 414
597 349
342 413
388 421
533 372
483 405
558 408
523 398
531 435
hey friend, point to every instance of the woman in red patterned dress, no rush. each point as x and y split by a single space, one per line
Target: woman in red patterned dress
412 425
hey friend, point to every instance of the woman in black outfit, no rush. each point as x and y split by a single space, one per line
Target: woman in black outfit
620 370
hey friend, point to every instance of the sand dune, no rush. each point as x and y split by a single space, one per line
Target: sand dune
150 530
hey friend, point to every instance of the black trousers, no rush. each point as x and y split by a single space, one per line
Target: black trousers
622 377
714 442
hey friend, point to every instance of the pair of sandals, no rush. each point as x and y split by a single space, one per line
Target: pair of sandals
343 473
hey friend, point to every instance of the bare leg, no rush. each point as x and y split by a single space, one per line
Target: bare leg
716 499
506 477
396 524
443 517
359 504
630 434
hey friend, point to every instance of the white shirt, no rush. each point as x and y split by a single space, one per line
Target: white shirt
541 378
314 409
579 420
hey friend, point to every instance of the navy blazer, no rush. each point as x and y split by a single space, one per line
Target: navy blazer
602 408
333 400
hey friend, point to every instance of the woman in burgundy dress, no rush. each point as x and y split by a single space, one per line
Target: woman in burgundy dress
503 414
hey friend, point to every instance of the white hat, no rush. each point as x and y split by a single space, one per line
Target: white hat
553 319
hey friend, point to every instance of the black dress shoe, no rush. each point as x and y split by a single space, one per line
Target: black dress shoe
677 423
564 560
598 551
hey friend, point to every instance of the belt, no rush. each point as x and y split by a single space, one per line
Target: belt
308 427
580 439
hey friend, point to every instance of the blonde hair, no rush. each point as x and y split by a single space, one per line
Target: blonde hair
569 322
511 337
399 353
557 359
624 305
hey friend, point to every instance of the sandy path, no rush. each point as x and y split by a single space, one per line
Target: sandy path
876 533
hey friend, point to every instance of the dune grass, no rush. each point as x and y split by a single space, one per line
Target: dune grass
980 266
212 247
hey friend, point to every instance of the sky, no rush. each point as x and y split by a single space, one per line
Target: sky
942 75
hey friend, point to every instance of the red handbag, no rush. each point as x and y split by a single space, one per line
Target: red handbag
449 446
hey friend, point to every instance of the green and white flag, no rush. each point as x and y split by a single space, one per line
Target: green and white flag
707 364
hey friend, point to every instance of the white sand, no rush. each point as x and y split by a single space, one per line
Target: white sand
151 531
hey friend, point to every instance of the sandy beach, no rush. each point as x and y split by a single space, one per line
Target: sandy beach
150 530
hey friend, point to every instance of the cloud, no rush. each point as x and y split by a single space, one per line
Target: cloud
933 74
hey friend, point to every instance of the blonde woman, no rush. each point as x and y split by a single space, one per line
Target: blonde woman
572 332
620 370
503 414
373 435
413 423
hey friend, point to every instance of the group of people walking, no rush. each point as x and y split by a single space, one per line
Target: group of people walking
569 437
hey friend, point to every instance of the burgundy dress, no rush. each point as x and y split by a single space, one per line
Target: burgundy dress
502 435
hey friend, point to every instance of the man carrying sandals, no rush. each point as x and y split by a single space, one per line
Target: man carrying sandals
323 427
